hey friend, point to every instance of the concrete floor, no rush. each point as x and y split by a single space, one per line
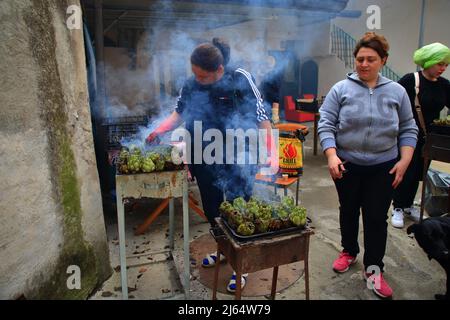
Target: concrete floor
407 269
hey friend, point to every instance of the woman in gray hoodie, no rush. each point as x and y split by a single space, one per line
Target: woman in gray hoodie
364 121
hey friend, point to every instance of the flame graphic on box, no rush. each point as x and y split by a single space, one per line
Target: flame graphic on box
289 151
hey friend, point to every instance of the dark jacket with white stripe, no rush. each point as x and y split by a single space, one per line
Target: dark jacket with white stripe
233 102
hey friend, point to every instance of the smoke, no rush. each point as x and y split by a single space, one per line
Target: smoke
250 40
162 57
153 75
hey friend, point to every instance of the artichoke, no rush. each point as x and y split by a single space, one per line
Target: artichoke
123 168
252 211
148 165
225 209
246 229
298 216
135 150
124 155
122 163
235 219
135 162
261 225
254 200
158 160
240 204
286 223
265 212
275 224
281 212
288 203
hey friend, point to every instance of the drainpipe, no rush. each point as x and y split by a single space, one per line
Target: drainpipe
100 95
422 15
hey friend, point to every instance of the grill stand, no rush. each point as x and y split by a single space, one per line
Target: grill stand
261 254
161 185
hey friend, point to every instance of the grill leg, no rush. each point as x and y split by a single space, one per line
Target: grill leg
187 262
122 250
305 261
216 274
274 282
238 284
171 224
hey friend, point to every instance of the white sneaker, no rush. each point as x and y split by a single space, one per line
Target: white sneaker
397 218
412 213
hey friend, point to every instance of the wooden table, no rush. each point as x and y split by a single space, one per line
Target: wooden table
437 147
262 253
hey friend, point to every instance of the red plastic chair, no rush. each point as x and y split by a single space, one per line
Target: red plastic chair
291 114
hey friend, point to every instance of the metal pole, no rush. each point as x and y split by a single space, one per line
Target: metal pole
122 242
171 223
187 262
422 18
100 94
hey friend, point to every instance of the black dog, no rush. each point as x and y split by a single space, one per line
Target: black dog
433 236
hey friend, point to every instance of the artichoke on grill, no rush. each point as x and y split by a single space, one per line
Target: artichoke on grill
147 164
281 212
240 204
157 159
288 203
122 163
298 216
135 160
261 225
275 224
225 209
235 218
246 229
256 216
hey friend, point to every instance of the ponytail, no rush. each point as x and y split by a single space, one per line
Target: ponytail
224 48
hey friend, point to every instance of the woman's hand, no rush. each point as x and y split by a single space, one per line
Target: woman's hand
335 165
399 169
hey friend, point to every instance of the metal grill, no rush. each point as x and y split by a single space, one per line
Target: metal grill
118 128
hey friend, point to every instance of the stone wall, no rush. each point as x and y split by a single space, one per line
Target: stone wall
50 203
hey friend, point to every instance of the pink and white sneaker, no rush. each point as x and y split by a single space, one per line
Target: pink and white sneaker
378 284
343 262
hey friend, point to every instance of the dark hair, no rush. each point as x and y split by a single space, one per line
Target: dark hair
209 56
373 41
224 48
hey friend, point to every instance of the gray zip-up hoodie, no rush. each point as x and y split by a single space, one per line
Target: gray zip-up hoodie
367 126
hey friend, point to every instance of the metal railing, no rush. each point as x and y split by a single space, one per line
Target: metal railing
342 45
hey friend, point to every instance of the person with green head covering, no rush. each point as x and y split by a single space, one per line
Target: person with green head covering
434 95
432 54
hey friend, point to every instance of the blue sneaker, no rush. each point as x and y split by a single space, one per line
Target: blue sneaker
231 287
210 260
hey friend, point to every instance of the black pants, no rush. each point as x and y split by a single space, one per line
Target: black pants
406 191
369 189
215 180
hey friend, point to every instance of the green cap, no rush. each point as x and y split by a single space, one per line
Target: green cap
432 54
